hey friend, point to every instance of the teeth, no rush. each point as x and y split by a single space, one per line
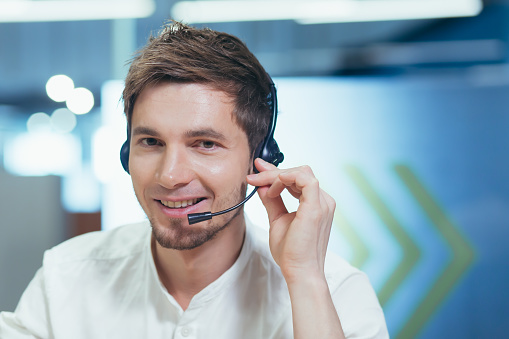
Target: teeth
179 204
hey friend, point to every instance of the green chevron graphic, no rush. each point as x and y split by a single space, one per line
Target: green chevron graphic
462 254
360 251
411 252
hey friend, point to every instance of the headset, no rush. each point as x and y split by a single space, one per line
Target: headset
268 150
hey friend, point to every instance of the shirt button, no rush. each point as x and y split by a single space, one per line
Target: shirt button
185 331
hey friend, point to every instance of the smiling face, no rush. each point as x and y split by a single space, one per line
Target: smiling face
187 155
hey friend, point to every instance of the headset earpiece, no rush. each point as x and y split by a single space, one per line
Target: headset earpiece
268 149
124 153
272 154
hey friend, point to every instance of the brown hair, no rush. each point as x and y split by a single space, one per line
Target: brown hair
181 53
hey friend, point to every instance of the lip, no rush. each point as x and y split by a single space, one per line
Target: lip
180 212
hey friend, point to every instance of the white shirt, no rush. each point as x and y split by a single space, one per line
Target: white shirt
105 285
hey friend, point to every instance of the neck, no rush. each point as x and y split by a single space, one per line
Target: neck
184 273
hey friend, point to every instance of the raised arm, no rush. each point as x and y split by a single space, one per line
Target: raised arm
298 242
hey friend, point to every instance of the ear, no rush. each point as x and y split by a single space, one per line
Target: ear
252 168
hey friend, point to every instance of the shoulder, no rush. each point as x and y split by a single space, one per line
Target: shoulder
338 271
120 242
355 299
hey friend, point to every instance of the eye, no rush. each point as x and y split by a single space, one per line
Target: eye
149 142
207 144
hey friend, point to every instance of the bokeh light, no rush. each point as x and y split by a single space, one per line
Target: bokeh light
80 101
44 153
63 120
59 87
39 122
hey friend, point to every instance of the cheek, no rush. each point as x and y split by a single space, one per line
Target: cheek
140 177
137 185
232 166
225 172
219 169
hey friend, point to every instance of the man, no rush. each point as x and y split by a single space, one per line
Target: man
198 104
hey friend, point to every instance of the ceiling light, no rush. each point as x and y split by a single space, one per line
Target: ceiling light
323 11
70 10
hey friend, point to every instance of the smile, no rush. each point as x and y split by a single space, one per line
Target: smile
180 204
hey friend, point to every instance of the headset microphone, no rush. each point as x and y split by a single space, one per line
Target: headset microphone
194 218
268 150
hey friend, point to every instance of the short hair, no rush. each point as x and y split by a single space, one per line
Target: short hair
184 54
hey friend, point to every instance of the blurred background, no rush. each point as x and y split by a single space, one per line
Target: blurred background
400 107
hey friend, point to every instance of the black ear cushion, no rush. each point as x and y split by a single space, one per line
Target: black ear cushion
269 151
124 155
276 156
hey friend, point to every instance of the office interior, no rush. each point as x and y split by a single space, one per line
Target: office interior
400 107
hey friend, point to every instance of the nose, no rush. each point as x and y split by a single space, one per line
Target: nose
174 169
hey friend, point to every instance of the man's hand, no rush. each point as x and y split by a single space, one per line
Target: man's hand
298 242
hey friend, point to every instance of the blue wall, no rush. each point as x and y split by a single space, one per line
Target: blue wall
419 168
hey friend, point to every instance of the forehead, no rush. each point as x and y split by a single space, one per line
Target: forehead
186 105
176 93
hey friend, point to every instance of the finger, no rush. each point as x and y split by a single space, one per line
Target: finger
276 188
304 182
274 205
263 165
271 180
286 180
263 178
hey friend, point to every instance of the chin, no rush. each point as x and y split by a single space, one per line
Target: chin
178 235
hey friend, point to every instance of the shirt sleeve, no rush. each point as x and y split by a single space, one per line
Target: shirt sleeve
30 319
358 308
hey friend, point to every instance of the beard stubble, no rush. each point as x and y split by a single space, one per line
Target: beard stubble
179 236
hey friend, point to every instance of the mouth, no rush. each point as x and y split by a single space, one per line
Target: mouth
180 204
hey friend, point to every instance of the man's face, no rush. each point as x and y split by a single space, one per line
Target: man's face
187 155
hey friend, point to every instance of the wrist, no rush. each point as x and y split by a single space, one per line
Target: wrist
303 280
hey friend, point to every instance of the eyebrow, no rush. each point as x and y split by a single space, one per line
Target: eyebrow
204 132
145 130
